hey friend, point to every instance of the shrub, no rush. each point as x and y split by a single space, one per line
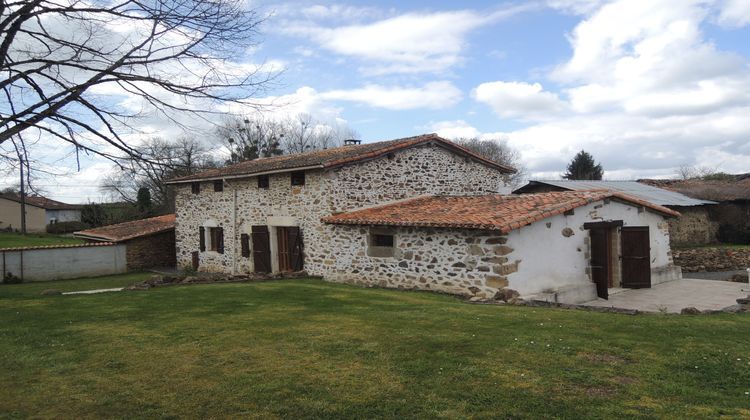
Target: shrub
9 278
66 227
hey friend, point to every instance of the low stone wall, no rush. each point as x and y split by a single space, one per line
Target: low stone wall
712 259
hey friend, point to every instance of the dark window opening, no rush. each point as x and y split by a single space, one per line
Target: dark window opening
195 187
298 178
219 185
264 181
245 245
382 240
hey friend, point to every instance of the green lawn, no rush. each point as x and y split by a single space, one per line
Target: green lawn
306 348
12 240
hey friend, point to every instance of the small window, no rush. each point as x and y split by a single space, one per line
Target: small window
195 187
382 243
263 181
218 185
245 245
298 178
382 240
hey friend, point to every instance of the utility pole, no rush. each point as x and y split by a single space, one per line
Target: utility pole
23 188
23 197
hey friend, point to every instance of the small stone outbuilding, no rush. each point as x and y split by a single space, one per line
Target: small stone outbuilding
561 246
150 242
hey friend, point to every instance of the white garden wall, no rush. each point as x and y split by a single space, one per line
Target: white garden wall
63 262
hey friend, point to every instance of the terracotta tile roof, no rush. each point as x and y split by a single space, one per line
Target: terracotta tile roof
30 248
491 212
334 157
42 202
129 230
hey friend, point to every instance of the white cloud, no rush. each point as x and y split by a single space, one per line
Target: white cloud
408 43
644 91
432 95
519 100
458 129
735 13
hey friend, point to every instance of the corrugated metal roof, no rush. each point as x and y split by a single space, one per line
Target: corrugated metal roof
648 193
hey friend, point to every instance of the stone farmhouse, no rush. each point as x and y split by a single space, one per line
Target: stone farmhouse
417 213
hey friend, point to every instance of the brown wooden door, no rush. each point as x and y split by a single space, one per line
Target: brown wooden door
601 260
636 257
261 249
282 246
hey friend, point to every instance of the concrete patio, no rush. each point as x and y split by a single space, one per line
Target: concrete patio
673 296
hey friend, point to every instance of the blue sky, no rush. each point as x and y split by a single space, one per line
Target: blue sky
644 85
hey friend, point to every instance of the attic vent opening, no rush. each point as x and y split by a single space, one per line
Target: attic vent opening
352 142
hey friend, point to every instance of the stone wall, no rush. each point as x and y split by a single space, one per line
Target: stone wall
151 251
429 169
457 261
693 227
712 259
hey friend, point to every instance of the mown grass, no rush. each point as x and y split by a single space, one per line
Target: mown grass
306 348
14 240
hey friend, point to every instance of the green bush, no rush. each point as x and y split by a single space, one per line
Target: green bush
9 278
66 227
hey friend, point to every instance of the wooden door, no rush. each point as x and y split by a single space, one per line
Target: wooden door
636 257
282 246
601 260
261 249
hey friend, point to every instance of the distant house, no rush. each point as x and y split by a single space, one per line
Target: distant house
417 213
730 217
150 242
693 227
40 212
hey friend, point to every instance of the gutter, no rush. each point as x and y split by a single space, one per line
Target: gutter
248 175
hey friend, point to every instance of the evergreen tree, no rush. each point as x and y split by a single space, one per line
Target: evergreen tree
583 167
144 201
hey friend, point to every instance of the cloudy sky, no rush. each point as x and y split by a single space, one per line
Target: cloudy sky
644 85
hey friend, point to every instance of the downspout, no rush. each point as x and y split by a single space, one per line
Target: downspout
234 230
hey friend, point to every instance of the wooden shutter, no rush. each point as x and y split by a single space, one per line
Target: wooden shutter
245 245
202 232
261 249
219 240
295 248
636 257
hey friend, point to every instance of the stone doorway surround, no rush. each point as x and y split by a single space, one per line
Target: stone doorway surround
673 296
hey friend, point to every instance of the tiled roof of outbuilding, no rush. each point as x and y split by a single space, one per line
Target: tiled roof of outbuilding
334 157
129 230
42 202
491 212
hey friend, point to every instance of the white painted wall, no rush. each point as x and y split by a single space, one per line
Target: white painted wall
44 264
549 260
62 216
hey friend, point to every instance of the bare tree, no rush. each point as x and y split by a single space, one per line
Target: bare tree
164 160
61 59
498 151
685 172
258 136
